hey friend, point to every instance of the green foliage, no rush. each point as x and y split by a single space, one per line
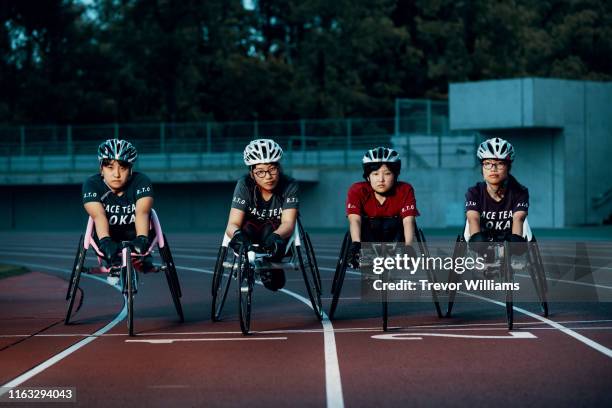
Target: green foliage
67 61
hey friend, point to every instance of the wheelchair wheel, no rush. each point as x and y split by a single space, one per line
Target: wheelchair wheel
508 278
309 272
339 274
458 252
129 290
222 279
246 280
172 278
385 309
430 275
313 258
75 277
539 274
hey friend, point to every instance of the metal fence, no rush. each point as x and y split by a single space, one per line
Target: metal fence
419 131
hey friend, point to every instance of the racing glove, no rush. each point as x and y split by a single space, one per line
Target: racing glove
275 245
239 240
140 244
518 244
353 254
109 248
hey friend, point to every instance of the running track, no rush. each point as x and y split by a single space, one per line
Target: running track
291 359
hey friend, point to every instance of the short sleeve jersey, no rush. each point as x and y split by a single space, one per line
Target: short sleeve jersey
120 210
362 201
496 217
248 198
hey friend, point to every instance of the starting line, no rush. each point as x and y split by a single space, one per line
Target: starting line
419 336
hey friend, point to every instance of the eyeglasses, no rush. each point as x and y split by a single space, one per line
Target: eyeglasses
272 171
491 165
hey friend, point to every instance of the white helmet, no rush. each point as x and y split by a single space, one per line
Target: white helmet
495 148
117 149
262 151
381 155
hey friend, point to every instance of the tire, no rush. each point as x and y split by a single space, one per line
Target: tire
129 292
430 275
339 275
73 285
74 266
221 283
246 280
172 278
309 273
541 276
314 261
508 278
458 252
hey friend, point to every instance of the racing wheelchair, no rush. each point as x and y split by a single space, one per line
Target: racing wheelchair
128 276
502 265
341 269
243 267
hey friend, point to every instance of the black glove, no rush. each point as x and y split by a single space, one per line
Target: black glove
239 240
518 244
353 254
408 250
479 237
140 244
109 248
275 245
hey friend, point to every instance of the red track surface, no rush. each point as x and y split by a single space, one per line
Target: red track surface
284 361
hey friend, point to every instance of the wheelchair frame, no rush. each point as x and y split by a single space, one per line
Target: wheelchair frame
243 266
128 277
340 273
534 266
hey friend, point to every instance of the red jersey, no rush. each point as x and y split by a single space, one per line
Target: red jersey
361 201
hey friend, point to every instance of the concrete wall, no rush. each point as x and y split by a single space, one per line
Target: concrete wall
562 127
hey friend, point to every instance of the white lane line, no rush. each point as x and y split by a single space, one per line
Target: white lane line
333 382
593 344
418 336
170 341
60 356
583 339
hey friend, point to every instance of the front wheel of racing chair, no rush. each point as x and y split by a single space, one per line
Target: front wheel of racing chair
129 284
169 269
534 266
75 276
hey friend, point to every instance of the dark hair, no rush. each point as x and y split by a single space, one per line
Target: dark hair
395 168
122 163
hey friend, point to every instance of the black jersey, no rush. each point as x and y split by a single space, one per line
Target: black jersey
496 217
120 210
247 198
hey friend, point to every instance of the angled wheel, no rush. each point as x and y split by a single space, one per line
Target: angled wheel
75 277
129 288
339 274
539 274
309 272
224 273
385 307
458 252
508 278
246 280
172 277
314 260
430 275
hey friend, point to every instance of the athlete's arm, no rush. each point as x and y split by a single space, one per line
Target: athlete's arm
473 218
143 211
234 223
408 223
518 219
288 218
98 215
355 227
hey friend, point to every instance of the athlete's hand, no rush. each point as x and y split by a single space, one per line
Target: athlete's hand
109 248
518 244
274 244
140 244
353 254
239 240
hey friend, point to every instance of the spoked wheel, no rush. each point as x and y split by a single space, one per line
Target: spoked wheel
339 274
246 279
458 252
224 273
172 278
540 275
310 273
508 277
430 275
129 288
75 277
